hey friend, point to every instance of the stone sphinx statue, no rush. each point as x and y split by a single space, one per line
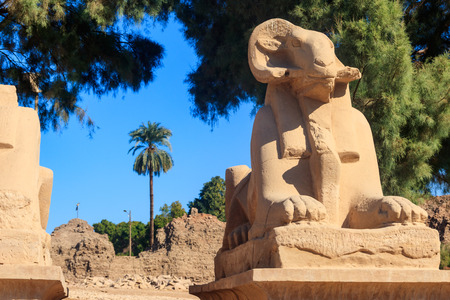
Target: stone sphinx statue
25 187
313 195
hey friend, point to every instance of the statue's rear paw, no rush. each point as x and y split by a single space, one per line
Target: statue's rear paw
238 236
386 211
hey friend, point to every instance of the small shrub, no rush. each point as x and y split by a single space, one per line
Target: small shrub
445 257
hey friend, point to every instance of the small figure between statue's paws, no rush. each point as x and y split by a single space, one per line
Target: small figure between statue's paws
386 211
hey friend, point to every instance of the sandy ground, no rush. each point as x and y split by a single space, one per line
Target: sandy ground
82 293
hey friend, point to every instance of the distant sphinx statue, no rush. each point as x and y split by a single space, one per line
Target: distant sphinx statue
26 270
314 170
25 187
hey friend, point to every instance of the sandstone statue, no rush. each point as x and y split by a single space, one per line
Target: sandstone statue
312 154
309 220
25 191
314 185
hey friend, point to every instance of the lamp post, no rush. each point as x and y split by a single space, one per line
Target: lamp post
129 223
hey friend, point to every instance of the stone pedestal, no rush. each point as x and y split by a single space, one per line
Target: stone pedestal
334 283
325 246
320 261
28 282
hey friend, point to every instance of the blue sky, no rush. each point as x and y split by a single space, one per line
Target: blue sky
97 172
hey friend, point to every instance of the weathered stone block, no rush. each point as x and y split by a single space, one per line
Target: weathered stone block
324 246
297 284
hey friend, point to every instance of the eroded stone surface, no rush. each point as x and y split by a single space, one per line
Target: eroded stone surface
25 187
32 282
25 193
185 248
80 251
265 284
314 246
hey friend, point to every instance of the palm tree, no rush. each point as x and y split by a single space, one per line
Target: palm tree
151 160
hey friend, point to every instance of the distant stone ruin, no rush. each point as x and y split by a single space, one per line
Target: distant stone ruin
185 248
80 251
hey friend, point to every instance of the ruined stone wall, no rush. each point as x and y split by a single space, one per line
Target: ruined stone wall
185 248
81 252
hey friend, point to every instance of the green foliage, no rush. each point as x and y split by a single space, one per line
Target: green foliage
58 49
119 236
105 227
445 257
406 103
168 213
428 27
211 199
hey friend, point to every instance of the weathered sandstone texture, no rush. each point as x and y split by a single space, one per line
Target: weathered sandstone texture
318 284
308 246
313 197
80 251
25 193
31 282
185 248
25 187
161 282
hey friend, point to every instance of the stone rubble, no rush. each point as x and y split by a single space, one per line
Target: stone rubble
161 282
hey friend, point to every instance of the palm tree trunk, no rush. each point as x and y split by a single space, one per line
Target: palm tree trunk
151 211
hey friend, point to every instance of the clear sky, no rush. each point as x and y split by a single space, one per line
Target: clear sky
97 172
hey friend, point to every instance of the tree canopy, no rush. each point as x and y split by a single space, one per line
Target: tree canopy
402 93
211 199
118 235
168 213
55 50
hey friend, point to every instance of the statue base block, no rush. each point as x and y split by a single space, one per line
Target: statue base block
32 282
323 246
265 284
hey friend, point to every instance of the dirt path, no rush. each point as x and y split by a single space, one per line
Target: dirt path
83 293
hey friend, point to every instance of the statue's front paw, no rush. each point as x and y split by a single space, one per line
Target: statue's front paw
400 210
294 209
386 211
304 208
